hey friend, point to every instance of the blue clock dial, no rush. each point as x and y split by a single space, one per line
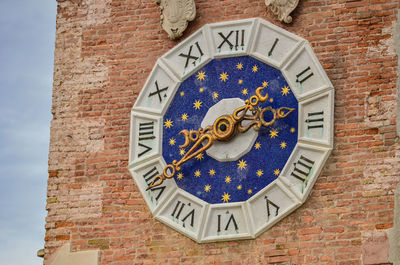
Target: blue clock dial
233 181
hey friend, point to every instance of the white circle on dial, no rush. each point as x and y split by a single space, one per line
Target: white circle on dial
240 144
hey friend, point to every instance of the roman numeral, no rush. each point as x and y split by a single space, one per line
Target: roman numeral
231 220
273 47
302 168
270 203
158 91
178 210
189 55
316 119
146 131
238 37
304 75
148 177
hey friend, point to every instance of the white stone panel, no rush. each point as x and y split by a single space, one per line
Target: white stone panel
231 38
158 91
189 55
226 222
305 74
274 45
144 174
185 213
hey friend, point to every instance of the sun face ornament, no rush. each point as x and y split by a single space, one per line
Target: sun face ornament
231 130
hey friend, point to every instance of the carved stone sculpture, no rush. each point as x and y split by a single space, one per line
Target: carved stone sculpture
282 8
175 15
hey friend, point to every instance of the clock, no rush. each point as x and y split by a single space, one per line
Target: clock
231 130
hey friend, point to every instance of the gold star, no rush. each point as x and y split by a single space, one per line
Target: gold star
276 172
197 104
207 188
239 66
273 133
242 164
201 89
197 173
239 187
211 172
228 179
265 84
292 130
226 197
215 95
271 100
249 191
180 175
168 123
240 81
257 145
254 69
181 152
224 76
172 141
200 156
285 91
260 173
184 116
201 75
182 93
244 91
283 145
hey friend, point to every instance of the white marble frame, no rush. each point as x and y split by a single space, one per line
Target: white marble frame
210 50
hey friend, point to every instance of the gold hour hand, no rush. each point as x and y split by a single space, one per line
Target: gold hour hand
223 129
203 142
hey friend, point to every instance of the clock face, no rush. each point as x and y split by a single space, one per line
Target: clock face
226 173
237 188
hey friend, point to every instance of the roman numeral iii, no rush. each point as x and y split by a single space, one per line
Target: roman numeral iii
315 120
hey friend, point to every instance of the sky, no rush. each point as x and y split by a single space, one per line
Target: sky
27 33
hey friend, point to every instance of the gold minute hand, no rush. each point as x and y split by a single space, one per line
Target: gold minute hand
223 129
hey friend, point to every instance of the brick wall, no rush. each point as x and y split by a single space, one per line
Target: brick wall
105 49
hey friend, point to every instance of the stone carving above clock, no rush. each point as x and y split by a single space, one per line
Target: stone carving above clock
282 8
175 15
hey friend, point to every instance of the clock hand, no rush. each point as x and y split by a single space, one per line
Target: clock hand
223 129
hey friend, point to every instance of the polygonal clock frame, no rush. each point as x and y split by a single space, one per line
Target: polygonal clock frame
293 56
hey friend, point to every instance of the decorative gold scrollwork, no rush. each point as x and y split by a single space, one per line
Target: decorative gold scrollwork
223 129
